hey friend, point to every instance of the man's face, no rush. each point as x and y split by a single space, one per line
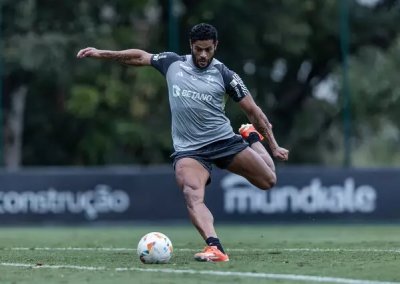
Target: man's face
203 52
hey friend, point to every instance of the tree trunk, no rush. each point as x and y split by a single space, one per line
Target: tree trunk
14 125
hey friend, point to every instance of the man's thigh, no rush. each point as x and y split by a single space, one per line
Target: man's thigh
253 167
190 172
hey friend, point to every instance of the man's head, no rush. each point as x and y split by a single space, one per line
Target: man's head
203 44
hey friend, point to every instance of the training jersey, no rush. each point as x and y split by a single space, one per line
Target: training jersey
197 99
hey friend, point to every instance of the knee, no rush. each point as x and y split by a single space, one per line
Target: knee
267 182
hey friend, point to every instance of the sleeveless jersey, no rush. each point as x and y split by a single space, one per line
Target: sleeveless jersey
197 99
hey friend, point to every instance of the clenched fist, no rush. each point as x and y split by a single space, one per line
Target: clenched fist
281 154
88 52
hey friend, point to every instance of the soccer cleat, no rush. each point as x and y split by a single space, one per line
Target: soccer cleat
211 254
248 128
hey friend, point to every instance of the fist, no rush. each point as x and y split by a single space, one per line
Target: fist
88 52
281 154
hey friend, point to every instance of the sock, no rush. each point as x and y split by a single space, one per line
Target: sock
253 138
211 241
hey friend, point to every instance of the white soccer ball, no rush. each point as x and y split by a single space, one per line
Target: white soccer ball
154 247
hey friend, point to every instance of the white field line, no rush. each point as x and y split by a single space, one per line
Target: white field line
22 265
293 277
372 250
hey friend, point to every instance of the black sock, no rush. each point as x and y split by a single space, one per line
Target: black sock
215 242
253 138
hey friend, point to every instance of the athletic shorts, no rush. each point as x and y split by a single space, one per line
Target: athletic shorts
219 153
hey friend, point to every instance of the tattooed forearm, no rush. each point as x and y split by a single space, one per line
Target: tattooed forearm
124 59
128 57
261 123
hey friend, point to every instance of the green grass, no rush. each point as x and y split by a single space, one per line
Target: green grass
351 252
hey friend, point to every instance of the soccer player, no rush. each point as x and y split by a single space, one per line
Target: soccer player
198 86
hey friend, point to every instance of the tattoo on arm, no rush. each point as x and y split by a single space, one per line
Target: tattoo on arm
123 57
261 123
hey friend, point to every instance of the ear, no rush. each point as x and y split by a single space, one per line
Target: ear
190 44
216 45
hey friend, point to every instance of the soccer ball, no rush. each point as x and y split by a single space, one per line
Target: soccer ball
154 247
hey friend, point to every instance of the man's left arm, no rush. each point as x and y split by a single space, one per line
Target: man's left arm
261 123
237 90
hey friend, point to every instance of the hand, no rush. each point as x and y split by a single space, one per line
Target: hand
281 154
88 52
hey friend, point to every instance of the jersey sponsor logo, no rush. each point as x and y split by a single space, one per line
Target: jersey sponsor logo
179 92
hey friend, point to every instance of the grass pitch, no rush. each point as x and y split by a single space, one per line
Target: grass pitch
351 254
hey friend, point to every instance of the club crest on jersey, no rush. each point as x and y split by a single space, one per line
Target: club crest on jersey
210 79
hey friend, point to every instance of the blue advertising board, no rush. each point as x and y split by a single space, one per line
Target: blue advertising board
69 196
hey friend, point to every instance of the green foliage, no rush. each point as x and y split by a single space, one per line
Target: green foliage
376 101
297 35
97 112
84 101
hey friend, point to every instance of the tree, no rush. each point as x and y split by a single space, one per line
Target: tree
292 48
76 113
65 112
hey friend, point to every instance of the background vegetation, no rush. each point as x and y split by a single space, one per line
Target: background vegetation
58 110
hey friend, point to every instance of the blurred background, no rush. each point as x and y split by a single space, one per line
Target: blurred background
326 73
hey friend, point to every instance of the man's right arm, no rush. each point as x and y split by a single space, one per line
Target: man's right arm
135 57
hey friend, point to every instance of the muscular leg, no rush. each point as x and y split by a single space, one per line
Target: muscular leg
256 165
260 149
191 177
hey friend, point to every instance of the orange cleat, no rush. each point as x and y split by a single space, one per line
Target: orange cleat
246 129
211 254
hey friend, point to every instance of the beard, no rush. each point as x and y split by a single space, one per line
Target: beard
197 64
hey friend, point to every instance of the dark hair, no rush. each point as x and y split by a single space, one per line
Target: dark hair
203 32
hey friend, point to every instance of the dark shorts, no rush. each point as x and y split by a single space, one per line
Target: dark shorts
219 153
